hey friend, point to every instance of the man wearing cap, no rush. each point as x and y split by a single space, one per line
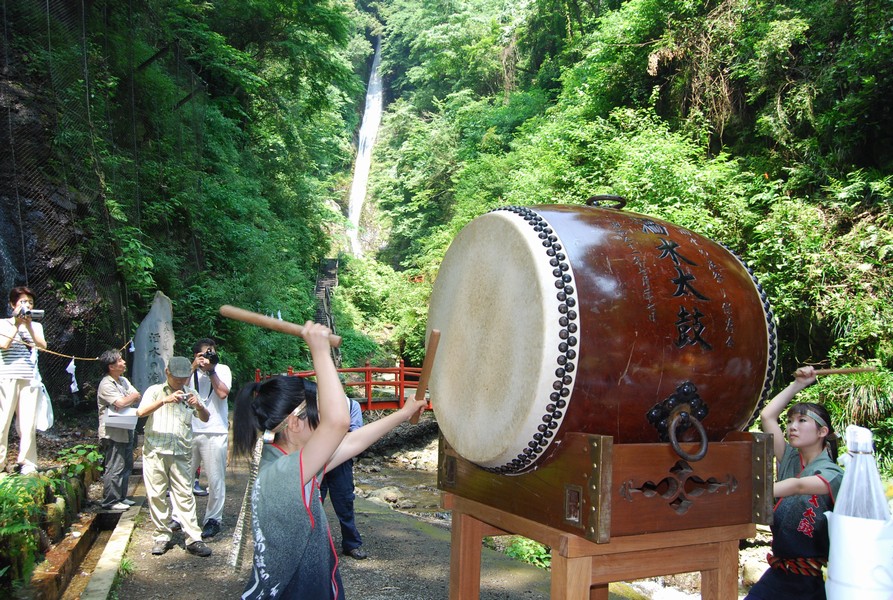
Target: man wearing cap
167 453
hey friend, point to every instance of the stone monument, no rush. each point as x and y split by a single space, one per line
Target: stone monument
153 343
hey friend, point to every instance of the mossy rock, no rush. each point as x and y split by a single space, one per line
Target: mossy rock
626 592
91 476
75 497
56 521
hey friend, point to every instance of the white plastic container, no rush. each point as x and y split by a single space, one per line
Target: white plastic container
860 565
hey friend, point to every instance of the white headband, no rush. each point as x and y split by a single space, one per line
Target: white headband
815 417
270 434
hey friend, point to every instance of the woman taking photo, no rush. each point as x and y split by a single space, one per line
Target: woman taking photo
20 338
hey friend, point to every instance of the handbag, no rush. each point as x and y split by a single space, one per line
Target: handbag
44 409
44 418
123 418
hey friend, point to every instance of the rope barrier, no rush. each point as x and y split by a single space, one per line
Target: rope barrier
72 357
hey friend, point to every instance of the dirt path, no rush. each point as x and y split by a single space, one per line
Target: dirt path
408 559
409 556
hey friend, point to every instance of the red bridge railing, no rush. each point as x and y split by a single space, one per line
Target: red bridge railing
372 380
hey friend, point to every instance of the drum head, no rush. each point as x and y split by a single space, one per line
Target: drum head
496 303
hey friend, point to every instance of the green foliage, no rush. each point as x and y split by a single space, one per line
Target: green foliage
530 552
761 125
437 48
842 297
883 446
134 262
225 135
80 458
21 503
218 133
126 567
390 306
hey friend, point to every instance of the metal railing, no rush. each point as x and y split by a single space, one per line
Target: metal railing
372 380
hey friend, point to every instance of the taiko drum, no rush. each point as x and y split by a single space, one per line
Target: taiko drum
568 318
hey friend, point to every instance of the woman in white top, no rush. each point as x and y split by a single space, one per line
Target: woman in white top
20 337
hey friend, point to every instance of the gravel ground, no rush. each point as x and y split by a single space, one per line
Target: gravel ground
408 540
409 557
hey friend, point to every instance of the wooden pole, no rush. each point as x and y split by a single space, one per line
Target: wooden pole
427 364
845 371
246 316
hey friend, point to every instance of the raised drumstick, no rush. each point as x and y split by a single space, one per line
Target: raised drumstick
246 316
427 364
845 371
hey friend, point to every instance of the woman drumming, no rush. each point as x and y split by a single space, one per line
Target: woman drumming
304 435
808 479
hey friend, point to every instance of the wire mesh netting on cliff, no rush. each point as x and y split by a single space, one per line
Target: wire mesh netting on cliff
58 184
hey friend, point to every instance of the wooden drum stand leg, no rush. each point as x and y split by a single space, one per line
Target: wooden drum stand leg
571 579
465 556
582 570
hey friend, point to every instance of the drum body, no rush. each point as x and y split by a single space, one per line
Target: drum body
571 318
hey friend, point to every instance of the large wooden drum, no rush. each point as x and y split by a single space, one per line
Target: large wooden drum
561 319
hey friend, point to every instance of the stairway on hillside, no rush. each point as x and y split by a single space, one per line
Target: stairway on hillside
326 279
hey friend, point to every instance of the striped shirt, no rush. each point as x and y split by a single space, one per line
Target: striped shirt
169 429
17 362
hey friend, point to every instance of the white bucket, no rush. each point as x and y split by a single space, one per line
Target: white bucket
860 565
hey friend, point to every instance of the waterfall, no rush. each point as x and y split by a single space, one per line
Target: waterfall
368 133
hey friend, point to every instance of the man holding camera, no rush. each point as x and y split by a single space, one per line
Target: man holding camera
167 454
210 440
20 337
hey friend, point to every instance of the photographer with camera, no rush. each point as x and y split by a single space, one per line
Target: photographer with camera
167 454
20 337
210 442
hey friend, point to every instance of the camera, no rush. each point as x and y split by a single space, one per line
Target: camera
211 356
184 396
34 313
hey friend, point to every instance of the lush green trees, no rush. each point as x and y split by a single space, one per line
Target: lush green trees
761 125
225 143
217 135
244 212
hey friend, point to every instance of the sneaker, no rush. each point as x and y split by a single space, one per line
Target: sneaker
356 553
28 469
198 549
198 490
211 528
117 506
128 502
160 547
175 525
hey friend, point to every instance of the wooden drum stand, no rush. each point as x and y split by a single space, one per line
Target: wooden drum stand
614 512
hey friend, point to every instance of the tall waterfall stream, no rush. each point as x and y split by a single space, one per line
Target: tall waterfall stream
368 133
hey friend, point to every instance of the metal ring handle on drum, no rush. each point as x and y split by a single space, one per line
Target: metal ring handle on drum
619 201
674 423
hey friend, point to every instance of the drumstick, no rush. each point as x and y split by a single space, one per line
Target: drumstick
427 364
246 316
845 371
